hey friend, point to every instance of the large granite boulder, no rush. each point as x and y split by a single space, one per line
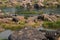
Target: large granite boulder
27 33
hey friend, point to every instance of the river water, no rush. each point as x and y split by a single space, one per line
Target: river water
45 10
5 34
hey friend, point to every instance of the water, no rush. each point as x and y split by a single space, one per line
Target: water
9 10
57 10
5 34
45 10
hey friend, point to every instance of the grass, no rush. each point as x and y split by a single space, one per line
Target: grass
13 26
3 39
17 26
52 25
27 12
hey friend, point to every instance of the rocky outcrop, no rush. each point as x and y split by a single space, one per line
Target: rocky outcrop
27 33
5 20
48 17
51 18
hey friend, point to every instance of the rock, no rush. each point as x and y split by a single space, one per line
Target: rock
21 18
31 19
47 17
40 4
27 33
36 6
15 19
40 17
57 15
5 20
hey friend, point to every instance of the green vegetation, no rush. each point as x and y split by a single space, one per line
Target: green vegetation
13 26
19 25
4 0
52 25
2 6
35 25
3 39
27 12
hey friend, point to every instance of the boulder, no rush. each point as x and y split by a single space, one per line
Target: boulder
14 19
27 33
40 17
47 17
36 6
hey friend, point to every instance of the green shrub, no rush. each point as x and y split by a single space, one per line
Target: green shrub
3 39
